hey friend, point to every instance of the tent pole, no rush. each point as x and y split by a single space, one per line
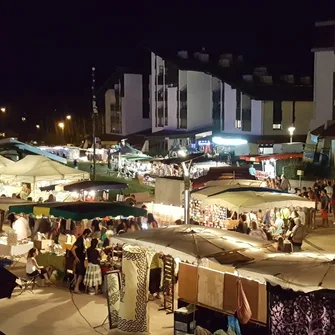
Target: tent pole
187 185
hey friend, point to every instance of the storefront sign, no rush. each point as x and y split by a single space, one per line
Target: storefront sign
204 143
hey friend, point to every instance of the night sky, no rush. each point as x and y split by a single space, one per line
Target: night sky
47 52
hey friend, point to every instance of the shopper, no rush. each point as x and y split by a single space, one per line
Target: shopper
155 276
78 251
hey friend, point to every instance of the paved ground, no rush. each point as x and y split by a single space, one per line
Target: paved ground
53 311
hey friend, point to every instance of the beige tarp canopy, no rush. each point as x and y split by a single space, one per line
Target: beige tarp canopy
33 169
249 200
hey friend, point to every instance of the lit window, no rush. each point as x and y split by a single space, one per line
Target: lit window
238 124
276 126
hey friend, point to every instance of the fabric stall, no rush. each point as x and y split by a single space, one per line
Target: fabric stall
299 313
133 312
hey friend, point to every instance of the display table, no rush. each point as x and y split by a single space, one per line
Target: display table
50 260
15 252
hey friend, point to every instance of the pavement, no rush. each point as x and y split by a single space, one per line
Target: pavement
54 310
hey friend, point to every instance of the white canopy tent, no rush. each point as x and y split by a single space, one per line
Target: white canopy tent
32 169
234 182
250 200
5 162
303 271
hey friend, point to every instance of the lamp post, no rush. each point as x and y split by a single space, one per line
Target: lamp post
291 132
61 125
94 115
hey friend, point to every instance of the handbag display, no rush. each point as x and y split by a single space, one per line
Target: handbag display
243 308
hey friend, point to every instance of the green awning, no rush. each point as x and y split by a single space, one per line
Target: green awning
80 210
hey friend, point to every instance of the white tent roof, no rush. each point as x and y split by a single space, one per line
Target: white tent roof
39 168
234 182
5 162
300 271
249 200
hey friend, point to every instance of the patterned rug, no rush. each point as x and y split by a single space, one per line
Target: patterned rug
133 313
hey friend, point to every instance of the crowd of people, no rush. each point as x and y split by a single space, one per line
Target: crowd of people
99 232
275 224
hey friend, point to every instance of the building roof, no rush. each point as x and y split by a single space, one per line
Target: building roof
179 133
324 39
260 139
323 132
233 76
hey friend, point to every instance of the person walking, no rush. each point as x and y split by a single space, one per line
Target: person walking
79 253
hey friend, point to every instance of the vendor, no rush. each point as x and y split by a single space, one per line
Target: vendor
21 227
25 191
107 245
34 270
78 251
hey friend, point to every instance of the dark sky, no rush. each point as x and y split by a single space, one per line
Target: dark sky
47 52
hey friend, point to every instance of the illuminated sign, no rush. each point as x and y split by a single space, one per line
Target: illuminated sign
204 142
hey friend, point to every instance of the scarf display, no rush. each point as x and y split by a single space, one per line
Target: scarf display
113 281
298 313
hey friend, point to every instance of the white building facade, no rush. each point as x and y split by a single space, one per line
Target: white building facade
127 108
190 100
324 76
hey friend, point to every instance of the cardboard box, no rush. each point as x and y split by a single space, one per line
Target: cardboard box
42 245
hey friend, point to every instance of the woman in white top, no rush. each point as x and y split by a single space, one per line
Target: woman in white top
34 270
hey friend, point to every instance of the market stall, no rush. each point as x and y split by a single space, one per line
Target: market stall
86 190
39 171
220 206
268 163
209 282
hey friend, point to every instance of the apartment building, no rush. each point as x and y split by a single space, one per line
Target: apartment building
322 124
191 95
127 102
180 99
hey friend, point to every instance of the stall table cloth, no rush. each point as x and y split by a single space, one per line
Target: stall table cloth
15 250
51 260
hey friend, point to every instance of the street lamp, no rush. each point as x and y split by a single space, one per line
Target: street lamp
291 131
38 126
3 109
68 117
61 125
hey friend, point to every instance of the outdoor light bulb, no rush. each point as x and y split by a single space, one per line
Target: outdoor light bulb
3 109
68 117
23 119
61 125
38 126
181 153
291 130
